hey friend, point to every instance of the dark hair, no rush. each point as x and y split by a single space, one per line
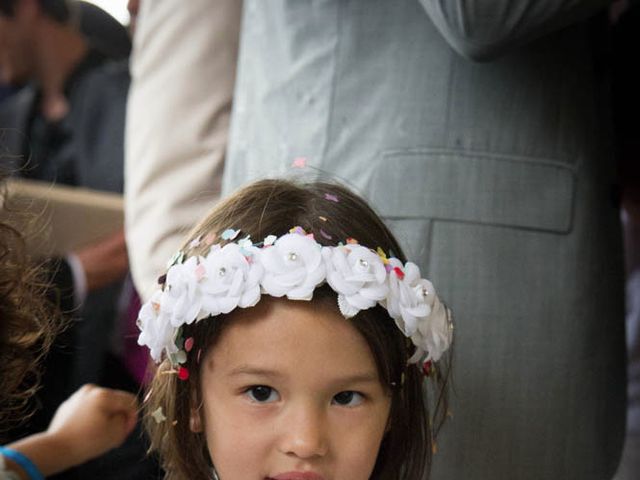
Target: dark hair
56 9
28 324
272 207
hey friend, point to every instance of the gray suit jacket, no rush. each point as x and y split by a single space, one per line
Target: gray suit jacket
496 177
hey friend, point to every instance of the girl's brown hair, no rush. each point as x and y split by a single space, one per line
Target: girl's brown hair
333 214
28 321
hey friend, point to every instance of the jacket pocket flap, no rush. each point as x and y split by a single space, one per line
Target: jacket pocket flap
470 187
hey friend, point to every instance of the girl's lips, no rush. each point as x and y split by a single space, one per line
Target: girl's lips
297 476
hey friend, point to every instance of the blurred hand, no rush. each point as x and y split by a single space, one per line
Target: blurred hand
92 421
105 261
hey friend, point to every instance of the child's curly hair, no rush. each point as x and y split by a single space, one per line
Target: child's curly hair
28 324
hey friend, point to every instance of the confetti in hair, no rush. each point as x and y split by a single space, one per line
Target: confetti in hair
200 272
158 415
230 234
195 242
210 239
399 273
183 374
299 162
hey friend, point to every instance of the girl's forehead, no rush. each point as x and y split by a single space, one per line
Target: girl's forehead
284 337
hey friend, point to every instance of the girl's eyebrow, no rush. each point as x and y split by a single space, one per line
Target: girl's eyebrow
252 370
363 377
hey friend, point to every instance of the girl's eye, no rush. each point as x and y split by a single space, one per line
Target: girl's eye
348 398
262 394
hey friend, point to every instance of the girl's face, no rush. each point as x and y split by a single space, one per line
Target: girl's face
291 392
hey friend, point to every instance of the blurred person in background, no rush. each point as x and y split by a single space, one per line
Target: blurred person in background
42 50
66 125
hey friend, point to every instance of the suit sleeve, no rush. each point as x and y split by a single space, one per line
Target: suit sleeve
183 73
482 30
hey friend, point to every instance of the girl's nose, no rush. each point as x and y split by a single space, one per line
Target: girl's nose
304 433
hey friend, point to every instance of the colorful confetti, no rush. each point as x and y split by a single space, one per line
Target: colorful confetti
183 373
200 272
325 234
211 238
178 257
324 219
299 162
230 234
331 197
382 255
245 242
399 273
195 242
158 415
177 358
298 230
188 344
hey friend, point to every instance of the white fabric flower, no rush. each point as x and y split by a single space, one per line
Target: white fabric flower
408 298
181 298
156 331
415 306
293 267
434 333
357 275
230 278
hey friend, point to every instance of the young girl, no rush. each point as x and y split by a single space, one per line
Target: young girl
294 339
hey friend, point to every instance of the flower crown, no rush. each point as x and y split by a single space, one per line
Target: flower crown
293 265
